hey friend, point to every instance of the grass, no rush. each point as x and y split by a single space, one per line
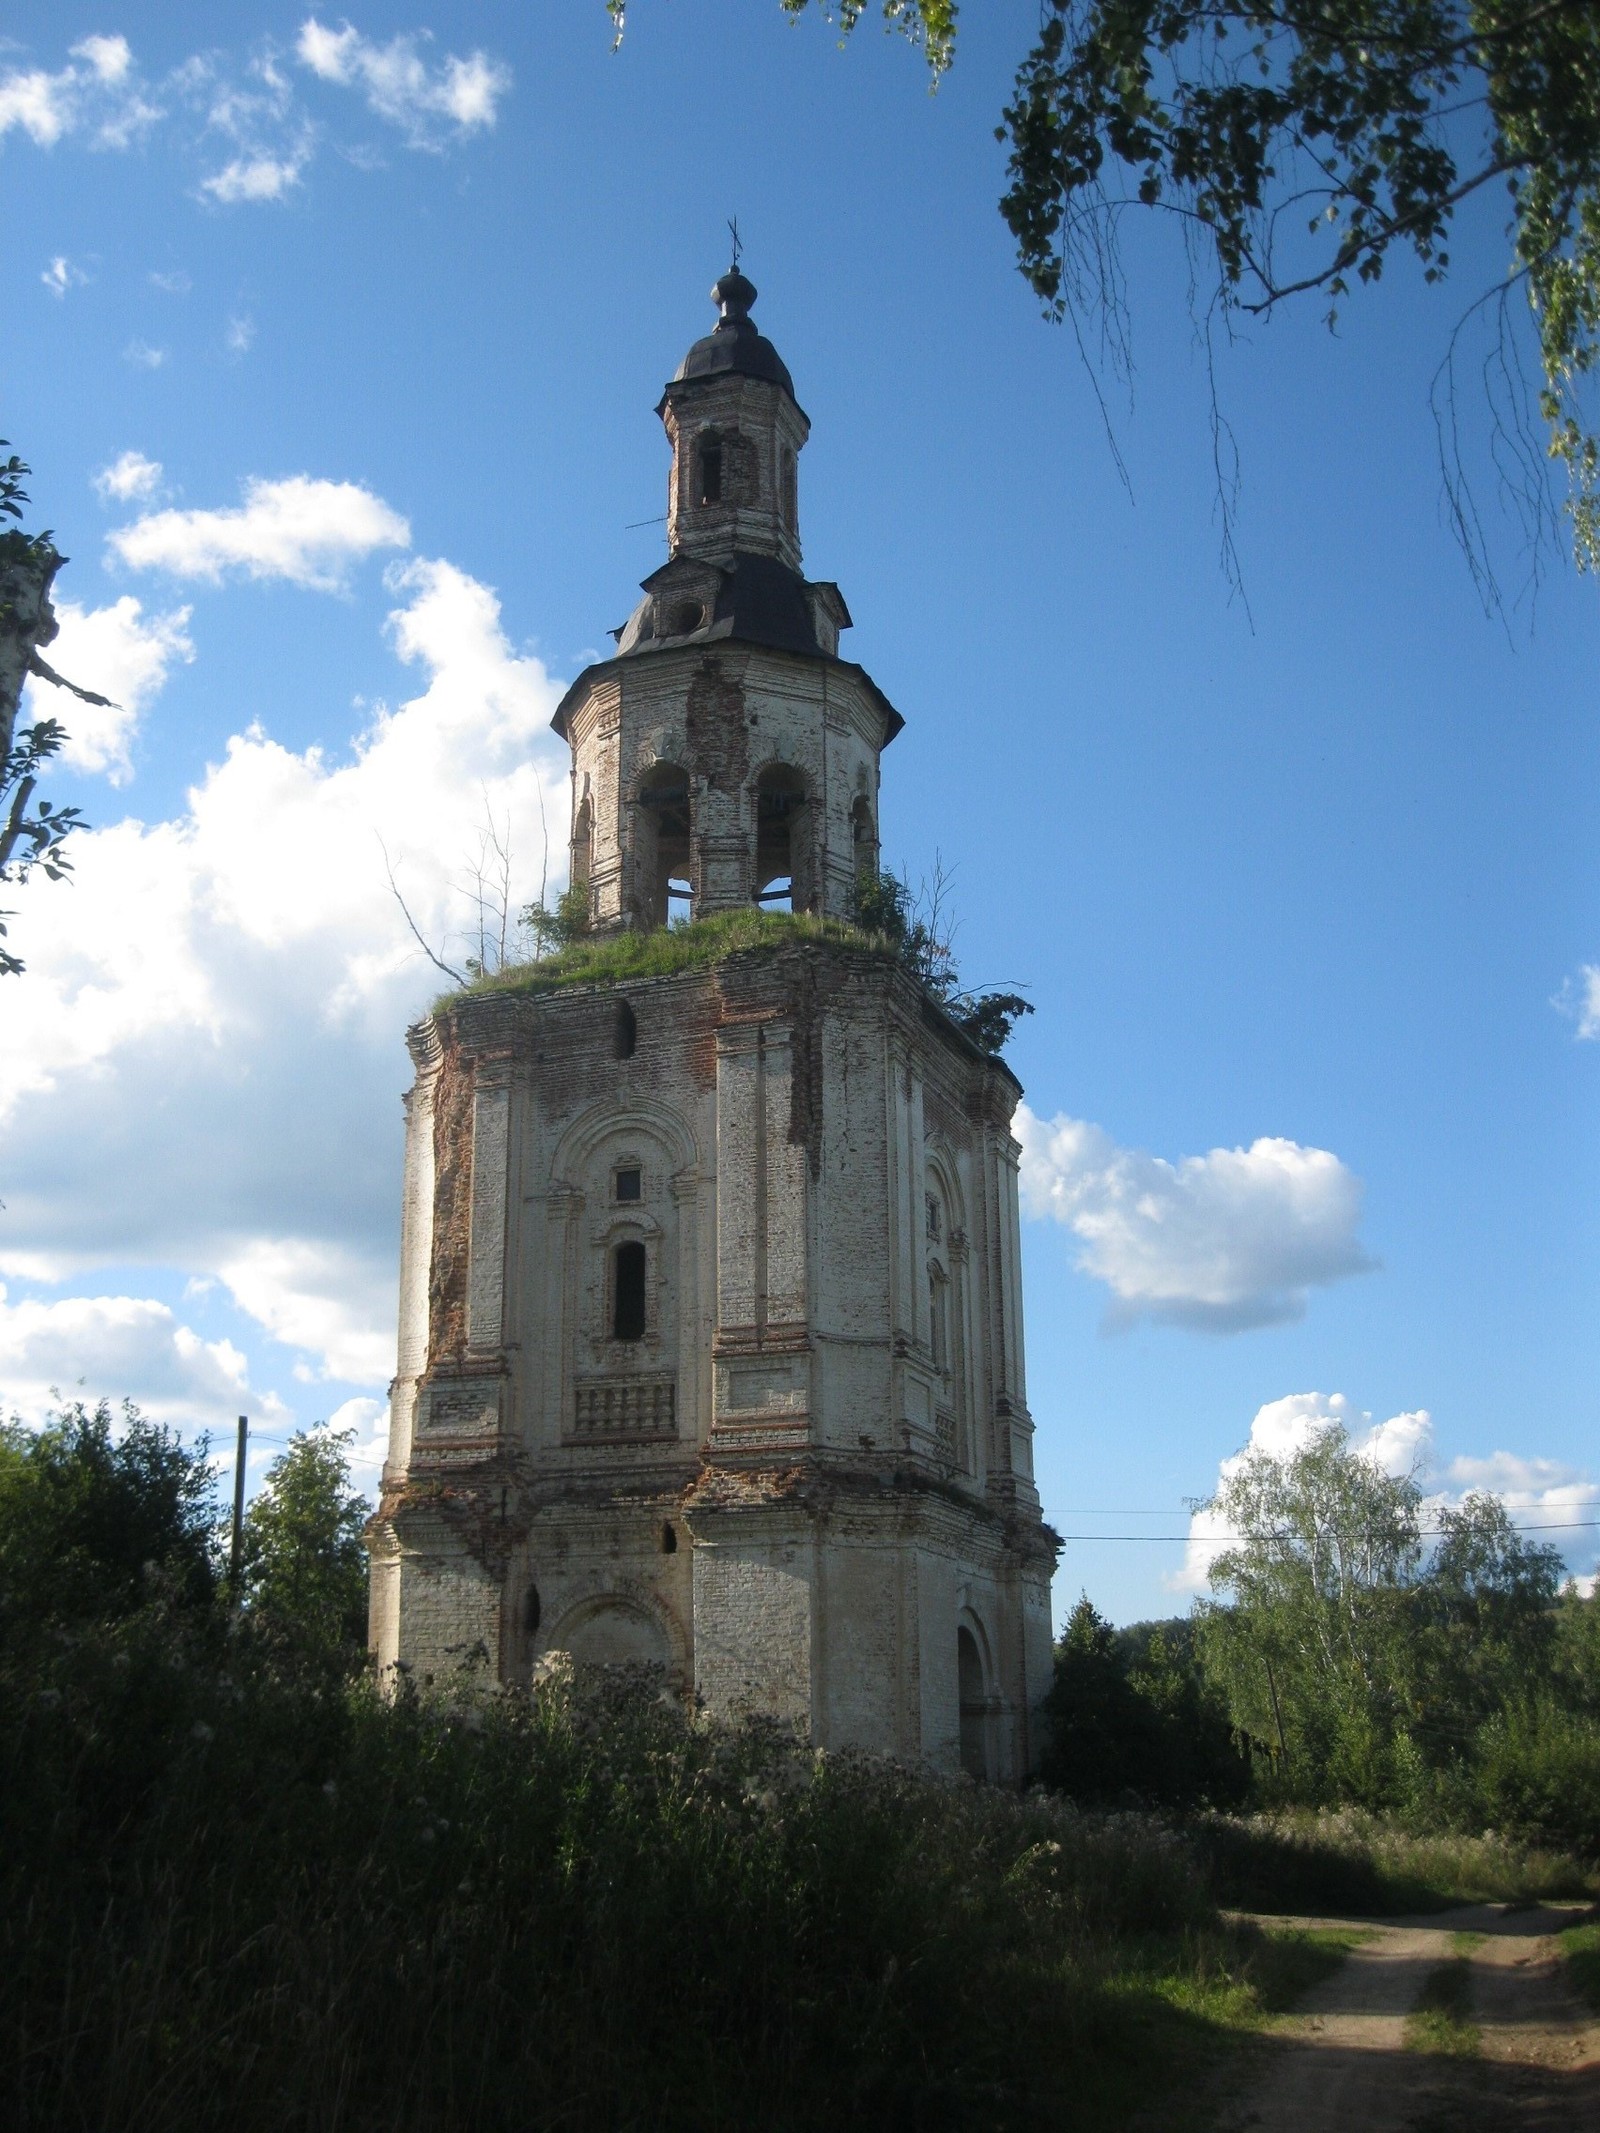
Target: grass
1580 1947
1441 2021
617 958
226 1897
1350 1861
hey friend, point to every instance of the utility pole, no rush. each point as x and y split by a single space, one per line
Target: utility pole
236 1553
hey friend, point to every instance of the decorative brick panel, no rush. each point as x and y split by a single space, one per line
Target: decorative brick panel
623 1410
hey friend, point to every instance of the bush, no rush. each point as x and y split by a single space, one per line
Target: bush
1538 1773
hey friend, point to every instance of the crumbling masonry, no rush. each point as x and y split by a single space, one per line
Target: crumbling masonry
711 1310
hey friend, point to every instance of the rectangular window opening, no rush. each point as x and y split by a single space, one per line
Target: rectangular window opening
628 1185
711 474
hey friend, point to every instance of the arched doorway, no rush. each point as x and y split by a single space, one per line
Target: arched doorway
973 1691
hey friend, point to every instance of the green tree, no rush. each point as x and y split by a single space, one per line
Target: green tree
1129 1713
305 1565
1487 1623
98 1522
1313 1648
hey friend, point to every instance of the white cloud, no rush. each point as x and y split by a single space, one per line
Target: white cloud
61 275
335 1303
240 335
41 104
118 652
257 177
110 59
308 532
175 283
143 356
114 1347
1537 1492
1579 998
1221 1242
129 479
424 102
203 1070
100 98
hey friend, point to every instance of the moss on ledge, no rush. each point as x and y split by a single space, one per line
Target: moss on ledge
614 958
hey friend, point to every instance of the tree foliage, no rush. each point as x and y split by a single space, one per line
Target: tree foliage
32 833
1305 143
305 1565
1132 1717
99 1520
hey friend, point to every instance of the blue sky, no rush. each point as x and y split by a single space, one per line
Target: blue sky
1302 878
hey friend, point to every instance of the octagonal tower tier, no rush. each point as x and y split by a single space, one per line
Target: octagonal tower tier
727 754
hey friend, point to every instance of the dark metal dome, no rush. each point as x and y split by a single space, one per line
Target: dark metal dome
734 345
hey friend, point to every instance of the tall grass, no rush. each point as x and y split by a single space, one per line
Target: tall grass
268 1905
1349 1860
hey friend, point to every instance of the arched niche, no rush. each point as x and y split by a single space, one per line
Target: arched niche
864 838
613 1629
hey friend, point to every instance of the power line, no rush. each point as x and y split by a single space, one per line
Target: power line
1565 1525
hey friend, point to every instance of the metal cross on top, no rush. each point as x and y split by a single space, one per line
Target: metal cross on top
738 242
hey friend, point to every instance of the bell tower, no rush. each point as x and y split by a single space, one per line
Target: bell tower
711 1321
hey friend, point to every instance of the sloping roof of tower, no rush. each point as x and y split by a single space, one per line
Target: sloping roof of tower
723 633
733 344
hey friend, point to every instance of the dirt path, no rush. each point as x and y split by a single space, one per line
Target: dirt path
1342 2063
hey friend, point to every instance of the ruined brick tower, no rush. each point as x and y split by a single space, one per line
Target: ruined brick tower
711 1309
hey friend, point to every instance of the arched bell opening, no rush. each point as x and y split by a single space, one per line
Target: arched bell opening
663 846
783 855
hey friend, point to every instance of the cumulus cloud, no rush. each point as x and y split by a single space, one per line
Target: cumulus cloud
203 1070
1579 1000
1401 1446
427 103
111 1347
129 479
1541 1492
308 532
320 1296
119 652
61 275
1221 1242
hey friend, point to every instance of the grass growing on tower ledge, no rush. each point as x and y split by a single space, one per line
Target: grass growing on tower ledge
613 958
